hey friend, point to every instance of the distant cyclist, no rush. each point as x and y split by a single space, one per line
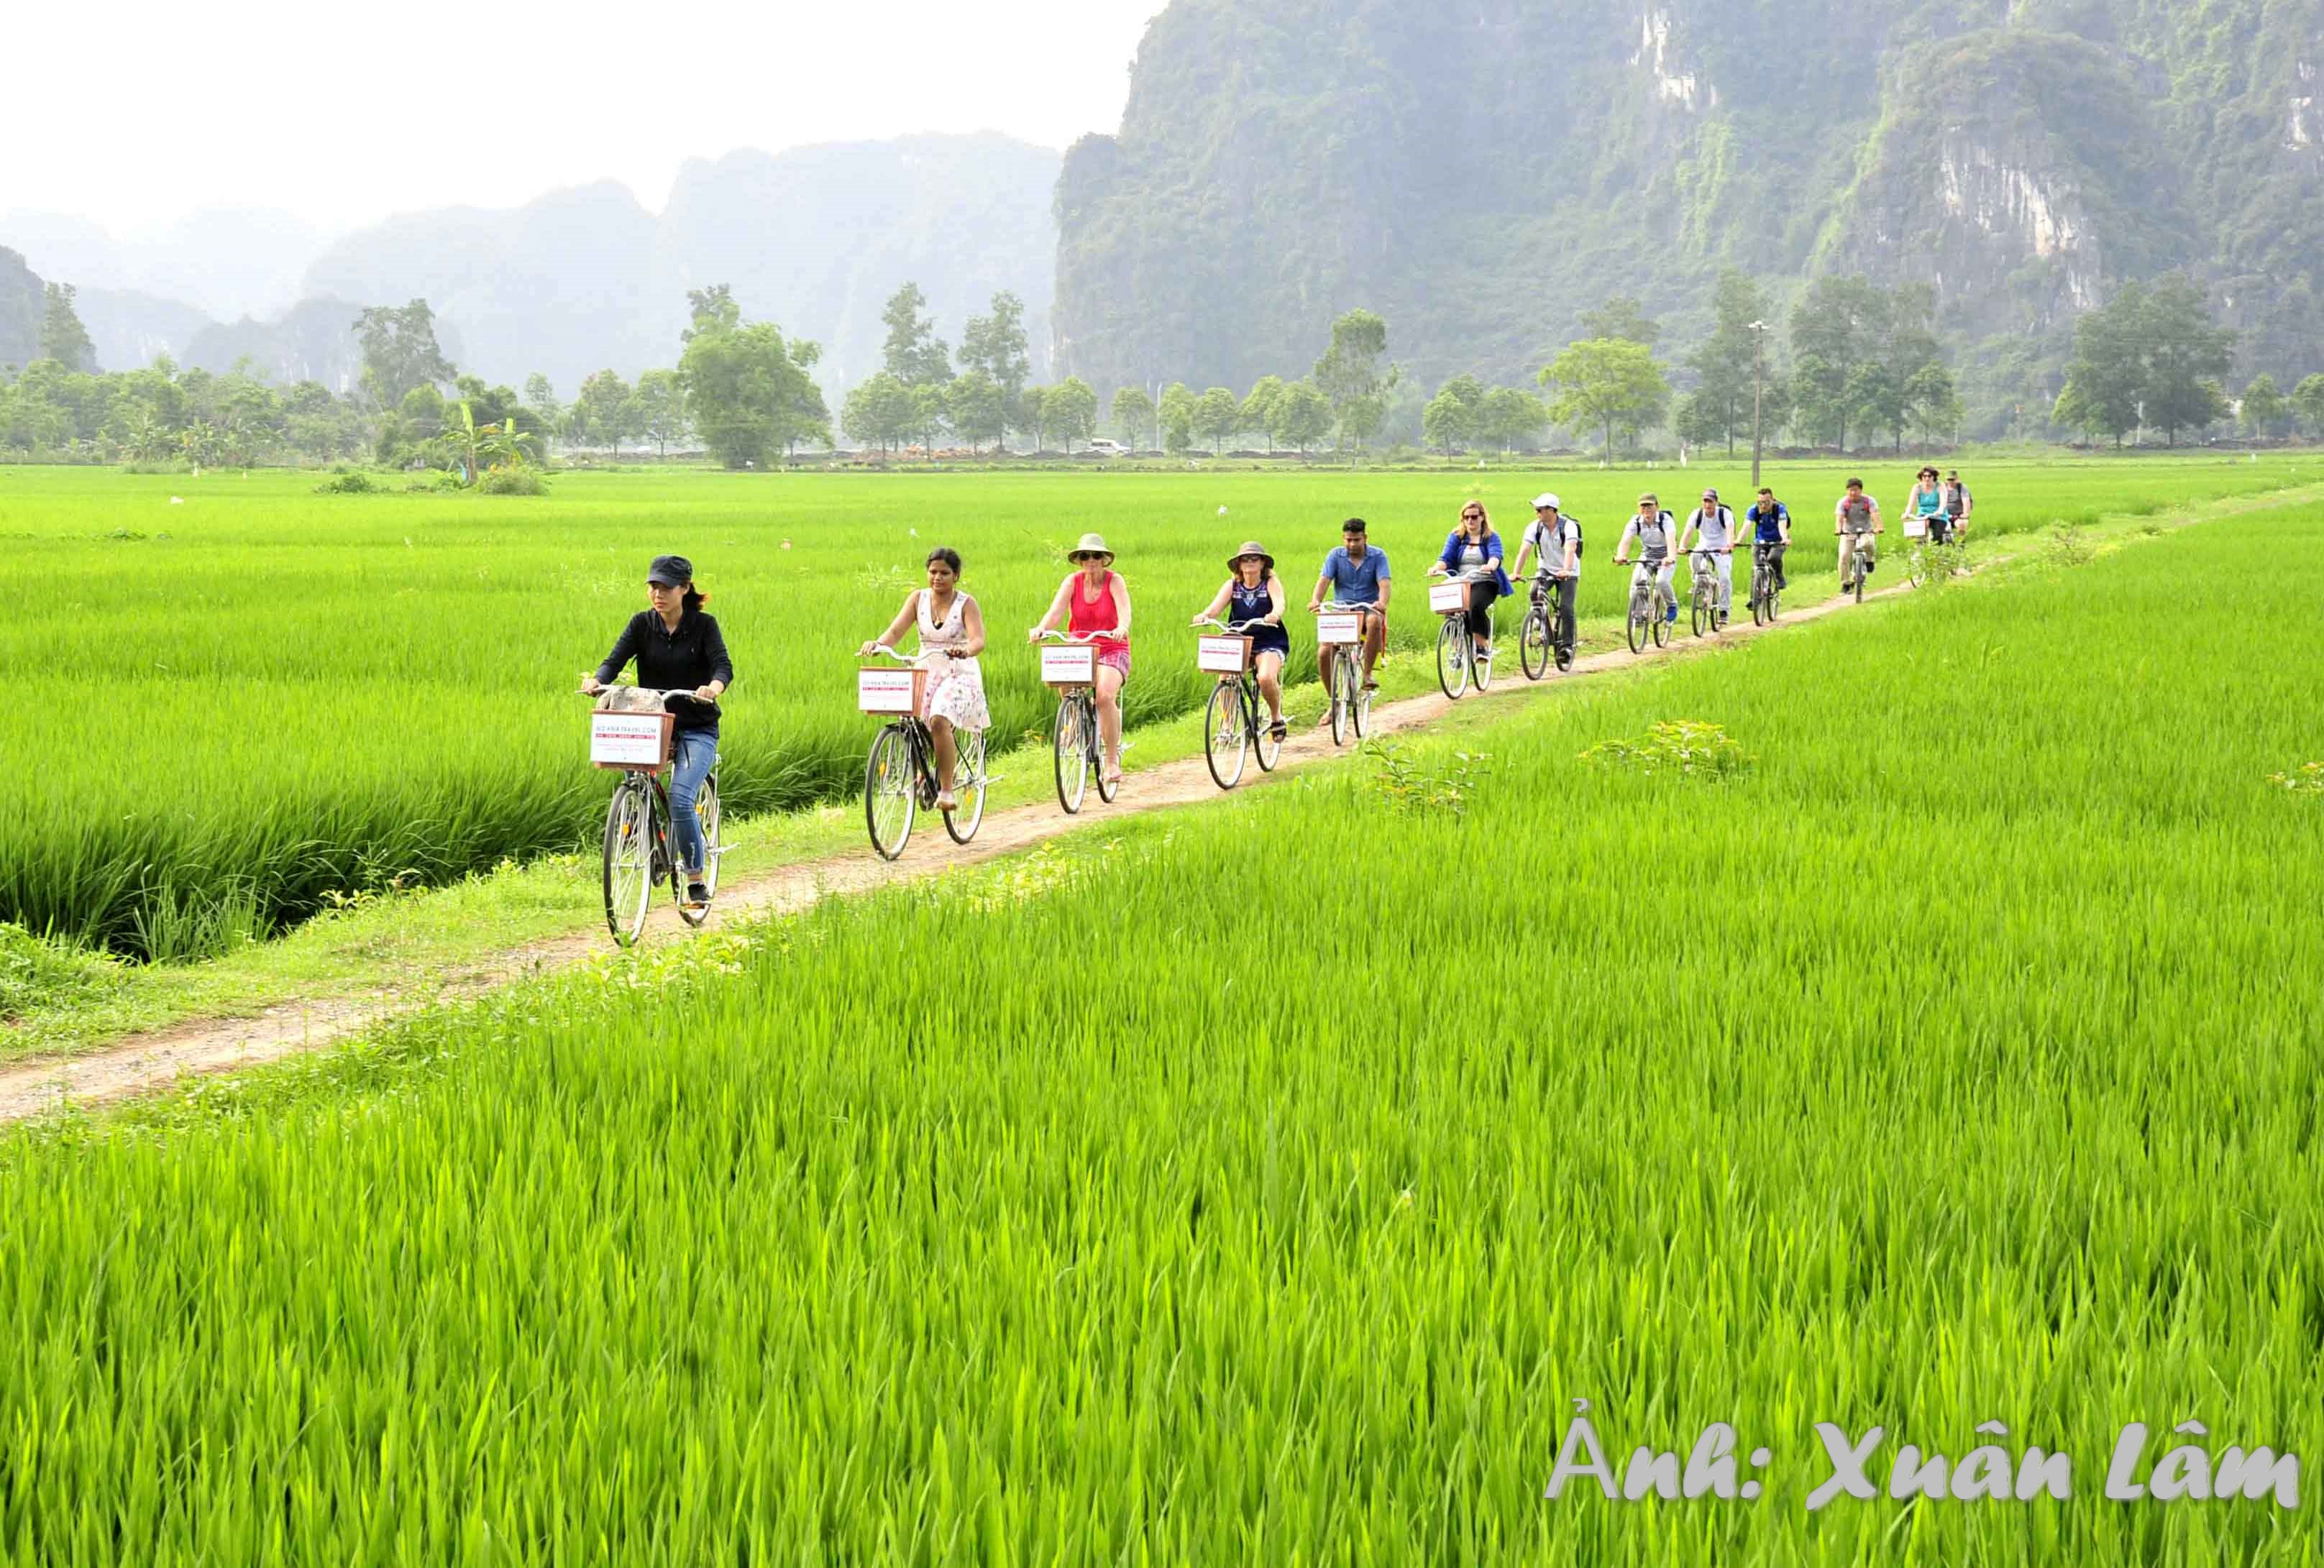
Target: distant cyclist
1924 508
1356 573
1959 504
1554 541
677 647
1254 601
1771 532
1711 527
1857 518
1656 533
1473 551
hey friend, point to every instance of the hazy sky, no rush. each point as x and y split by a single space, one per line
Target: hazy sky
345 113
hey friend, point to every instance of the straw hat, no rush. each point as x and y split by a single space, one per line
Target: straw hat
1092 544
1251 546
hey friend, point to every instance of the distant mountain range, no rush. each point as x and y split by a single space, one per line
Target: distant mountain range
815 239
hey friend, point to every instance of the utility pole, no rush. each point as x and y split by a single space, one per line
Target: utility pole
1758 330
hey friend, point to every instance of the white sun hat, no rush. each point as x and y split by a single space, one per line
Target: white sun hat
1546 498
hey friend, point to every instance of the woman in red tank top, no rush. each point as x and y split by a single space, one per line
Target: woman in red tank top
1094 605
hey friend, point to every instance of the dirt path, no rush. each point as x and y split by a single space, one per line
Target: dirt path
144 1063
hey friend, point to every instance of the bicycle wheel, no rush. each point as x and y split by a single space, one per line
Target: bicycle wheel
1480 665
1095 741
629 863
1857 575
1359 707
705 813
968 787
1224 743
1703 612
1659 619
1453 656
1336 681
1072 750
890 792
1262 731
1533 644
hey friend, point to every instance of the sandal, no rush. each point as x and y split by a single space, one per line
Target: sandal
1278 730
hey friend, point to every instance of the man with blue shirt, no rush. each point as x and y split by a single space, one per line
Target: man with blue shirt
1771 533
1357 574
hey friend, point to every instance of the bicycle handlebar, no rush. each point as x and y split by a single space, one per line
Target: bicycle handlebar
1091 640
649 691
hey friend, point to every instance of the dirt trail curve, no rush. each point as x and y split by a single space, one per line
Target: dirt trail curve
146 1063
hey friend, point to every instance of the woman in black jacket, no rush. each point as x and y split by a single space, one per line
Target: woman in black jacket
677 648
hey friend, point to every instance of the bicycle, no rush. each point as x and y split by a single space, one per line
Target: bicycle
1230 720
1650 605
1342 666
638 826
1861 555
1538 638
1456 646
1702 590
1764 592
1073 740
899 776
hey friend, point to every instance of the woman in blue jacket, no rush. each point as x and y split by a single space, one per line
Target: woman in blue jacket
1473 551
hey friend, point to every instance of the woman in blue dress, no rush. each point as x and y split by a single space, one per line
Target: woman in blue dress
1253 601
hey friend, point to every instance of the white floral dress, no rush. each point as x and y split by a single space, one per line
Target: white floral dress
956 686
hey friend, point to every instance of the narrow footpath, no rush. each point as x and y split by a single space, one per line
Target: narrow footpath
144 1063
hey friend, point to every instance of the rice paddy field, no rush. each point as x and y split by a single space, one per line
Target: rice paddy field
242 700
1256 1183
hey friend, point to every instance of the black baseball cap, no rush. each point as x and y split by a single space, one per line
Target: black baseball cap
670 571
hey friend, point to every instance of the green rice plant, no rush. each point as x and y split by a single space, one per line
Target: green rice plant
1134 1202
1681 746
302 695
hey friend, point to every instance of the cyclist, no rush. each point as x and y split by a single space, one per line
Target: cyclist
1656 532
1473 550
950 624
1093 602
1711 527
1924 508
1356 573
677 647
1771 532
1253 599
1855 517
1959 504
1554 541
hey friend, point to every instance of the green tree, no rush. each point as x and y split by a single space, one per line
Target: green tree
2307 400
1303 415
539 396
1934 403
1216 413
2106 377
1607 383
928 412
1507 416
997 346
1072 410
1451 421
878 412
710 310
2263 408
399 351
602 410
2186 354
1719 407
914 354
977 406
1177 416
1833 330
62 337
1621 317
1133 416
660 402
1033 415
1259 407
748 392
1351 376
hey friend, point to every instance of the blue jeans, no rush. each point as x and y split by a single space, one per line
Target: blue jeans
692 754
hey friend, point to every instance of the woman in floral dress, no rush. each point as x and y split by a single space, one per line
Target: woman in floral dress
952 634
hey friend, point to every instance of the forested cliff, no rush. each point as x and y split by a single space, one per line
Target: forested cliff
1481 173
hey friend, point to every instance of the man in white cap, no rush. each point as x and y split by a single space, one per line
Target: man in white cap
1712 527
1554 539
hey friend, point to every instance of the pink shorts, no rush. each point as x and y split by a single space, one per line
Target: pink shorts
1117 659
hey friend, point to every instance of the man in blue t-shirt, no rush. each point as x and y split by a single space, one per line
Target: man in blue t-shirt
1357 574
1770 521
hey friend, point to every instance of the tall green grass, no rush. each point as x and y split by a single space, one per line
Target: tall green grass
1262 1184
238 705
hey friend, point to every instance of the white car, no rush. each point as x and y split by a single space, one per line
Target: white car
1105 449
